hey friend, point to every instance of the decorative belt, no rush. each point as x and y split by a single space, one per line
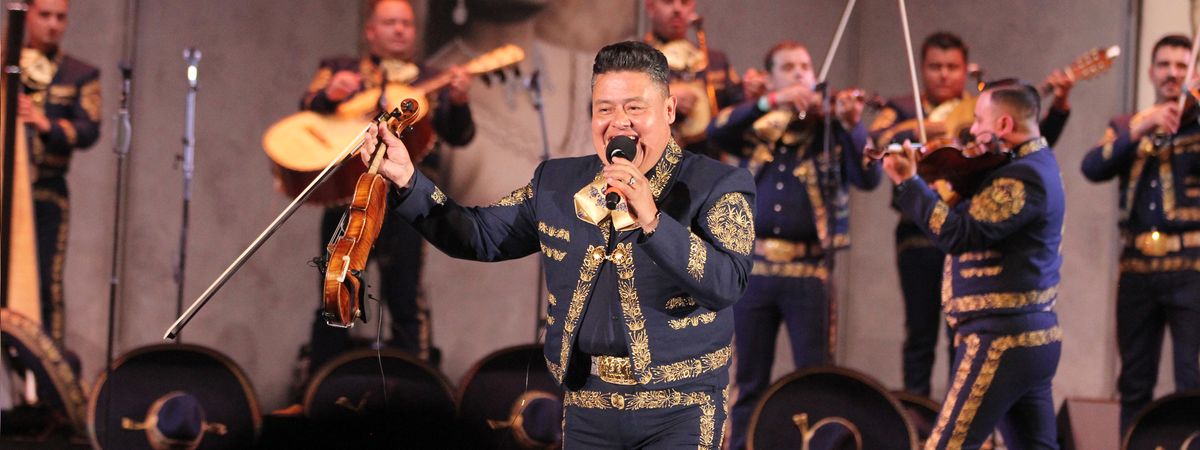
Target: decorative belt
614 369
780 250
1155 243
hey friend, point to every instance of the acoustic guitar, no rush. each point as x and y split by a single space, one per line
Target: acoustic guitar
302 144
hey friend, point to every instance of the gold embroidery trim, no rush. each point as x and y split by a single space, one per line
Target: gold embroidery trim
438 196
669 398
983 381
665 168
789 270
978 256
960 378
90 100
697 256
979 272
551 299
1135 175
639 338
587 274
518 196
60 373
731 221
58 308
938 217
998 300
68 130
554 232
1156 265
680 302
553 253
999 201
694 321
1166 177
812 187
1032 147
690 368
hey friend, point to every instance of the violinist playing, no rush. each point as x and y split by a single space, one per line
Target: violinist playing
1002 245
778 138
949 110
1156 156
390 34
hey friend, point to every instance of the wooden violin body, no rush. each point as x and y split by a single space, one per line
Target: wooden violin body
963 174
343 289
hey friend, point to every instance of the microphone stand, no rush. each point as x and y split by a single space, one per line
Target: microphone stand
535 95
121 148
191 56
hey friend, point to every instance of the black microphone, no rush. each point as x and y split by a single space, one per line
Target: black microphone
624 147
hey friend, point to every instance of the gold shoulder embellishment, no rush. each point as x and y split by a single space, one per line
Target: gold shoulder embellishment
732 222
518 196
938 217
999 201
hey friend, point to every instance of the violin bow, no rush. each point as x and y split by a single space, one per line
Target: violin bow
830 192
283 216
912 70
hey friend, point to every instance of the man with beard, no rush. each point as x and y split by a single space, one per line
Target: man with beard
1156 157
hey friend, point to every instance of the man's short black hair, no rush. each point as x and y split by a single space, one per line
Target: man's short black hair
944 40
633 56
1170 40
1018 96
769 59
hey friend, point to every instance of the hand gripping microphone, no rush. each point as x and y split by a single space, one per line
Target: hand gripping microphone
624 147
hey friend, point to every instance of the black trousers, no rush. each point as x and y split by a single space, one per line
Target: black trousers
397 253
797 298
1146 305
51 210
919 264
602 415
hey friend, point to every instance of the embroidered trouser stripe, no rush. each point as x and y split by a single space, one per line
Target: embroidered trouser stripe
982 369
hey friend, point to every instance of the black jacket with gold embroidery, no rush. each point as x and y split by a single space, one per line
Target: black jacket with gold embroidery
786 158
1004 243
1159 191
72 103
675 286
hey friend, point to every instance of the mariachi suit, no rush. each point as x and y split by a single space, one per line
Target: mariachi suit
671 291
788 282
71 101
1160 279
1000 282
918 261
400 246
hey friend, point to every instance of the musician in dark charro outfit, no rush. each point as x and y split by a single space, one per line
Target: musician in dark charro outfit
1160 231
1001 276
390 34
60 105
639 324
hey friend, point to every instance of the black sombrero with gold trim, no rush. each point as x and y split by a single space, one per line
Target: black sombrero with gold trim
509 400
173 396
830 408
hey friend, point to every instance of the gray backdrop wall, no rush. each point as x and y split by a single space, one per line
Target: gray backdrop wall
260 54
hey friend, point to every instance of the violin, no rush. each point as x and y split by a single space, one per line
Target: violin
347 252
955 171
